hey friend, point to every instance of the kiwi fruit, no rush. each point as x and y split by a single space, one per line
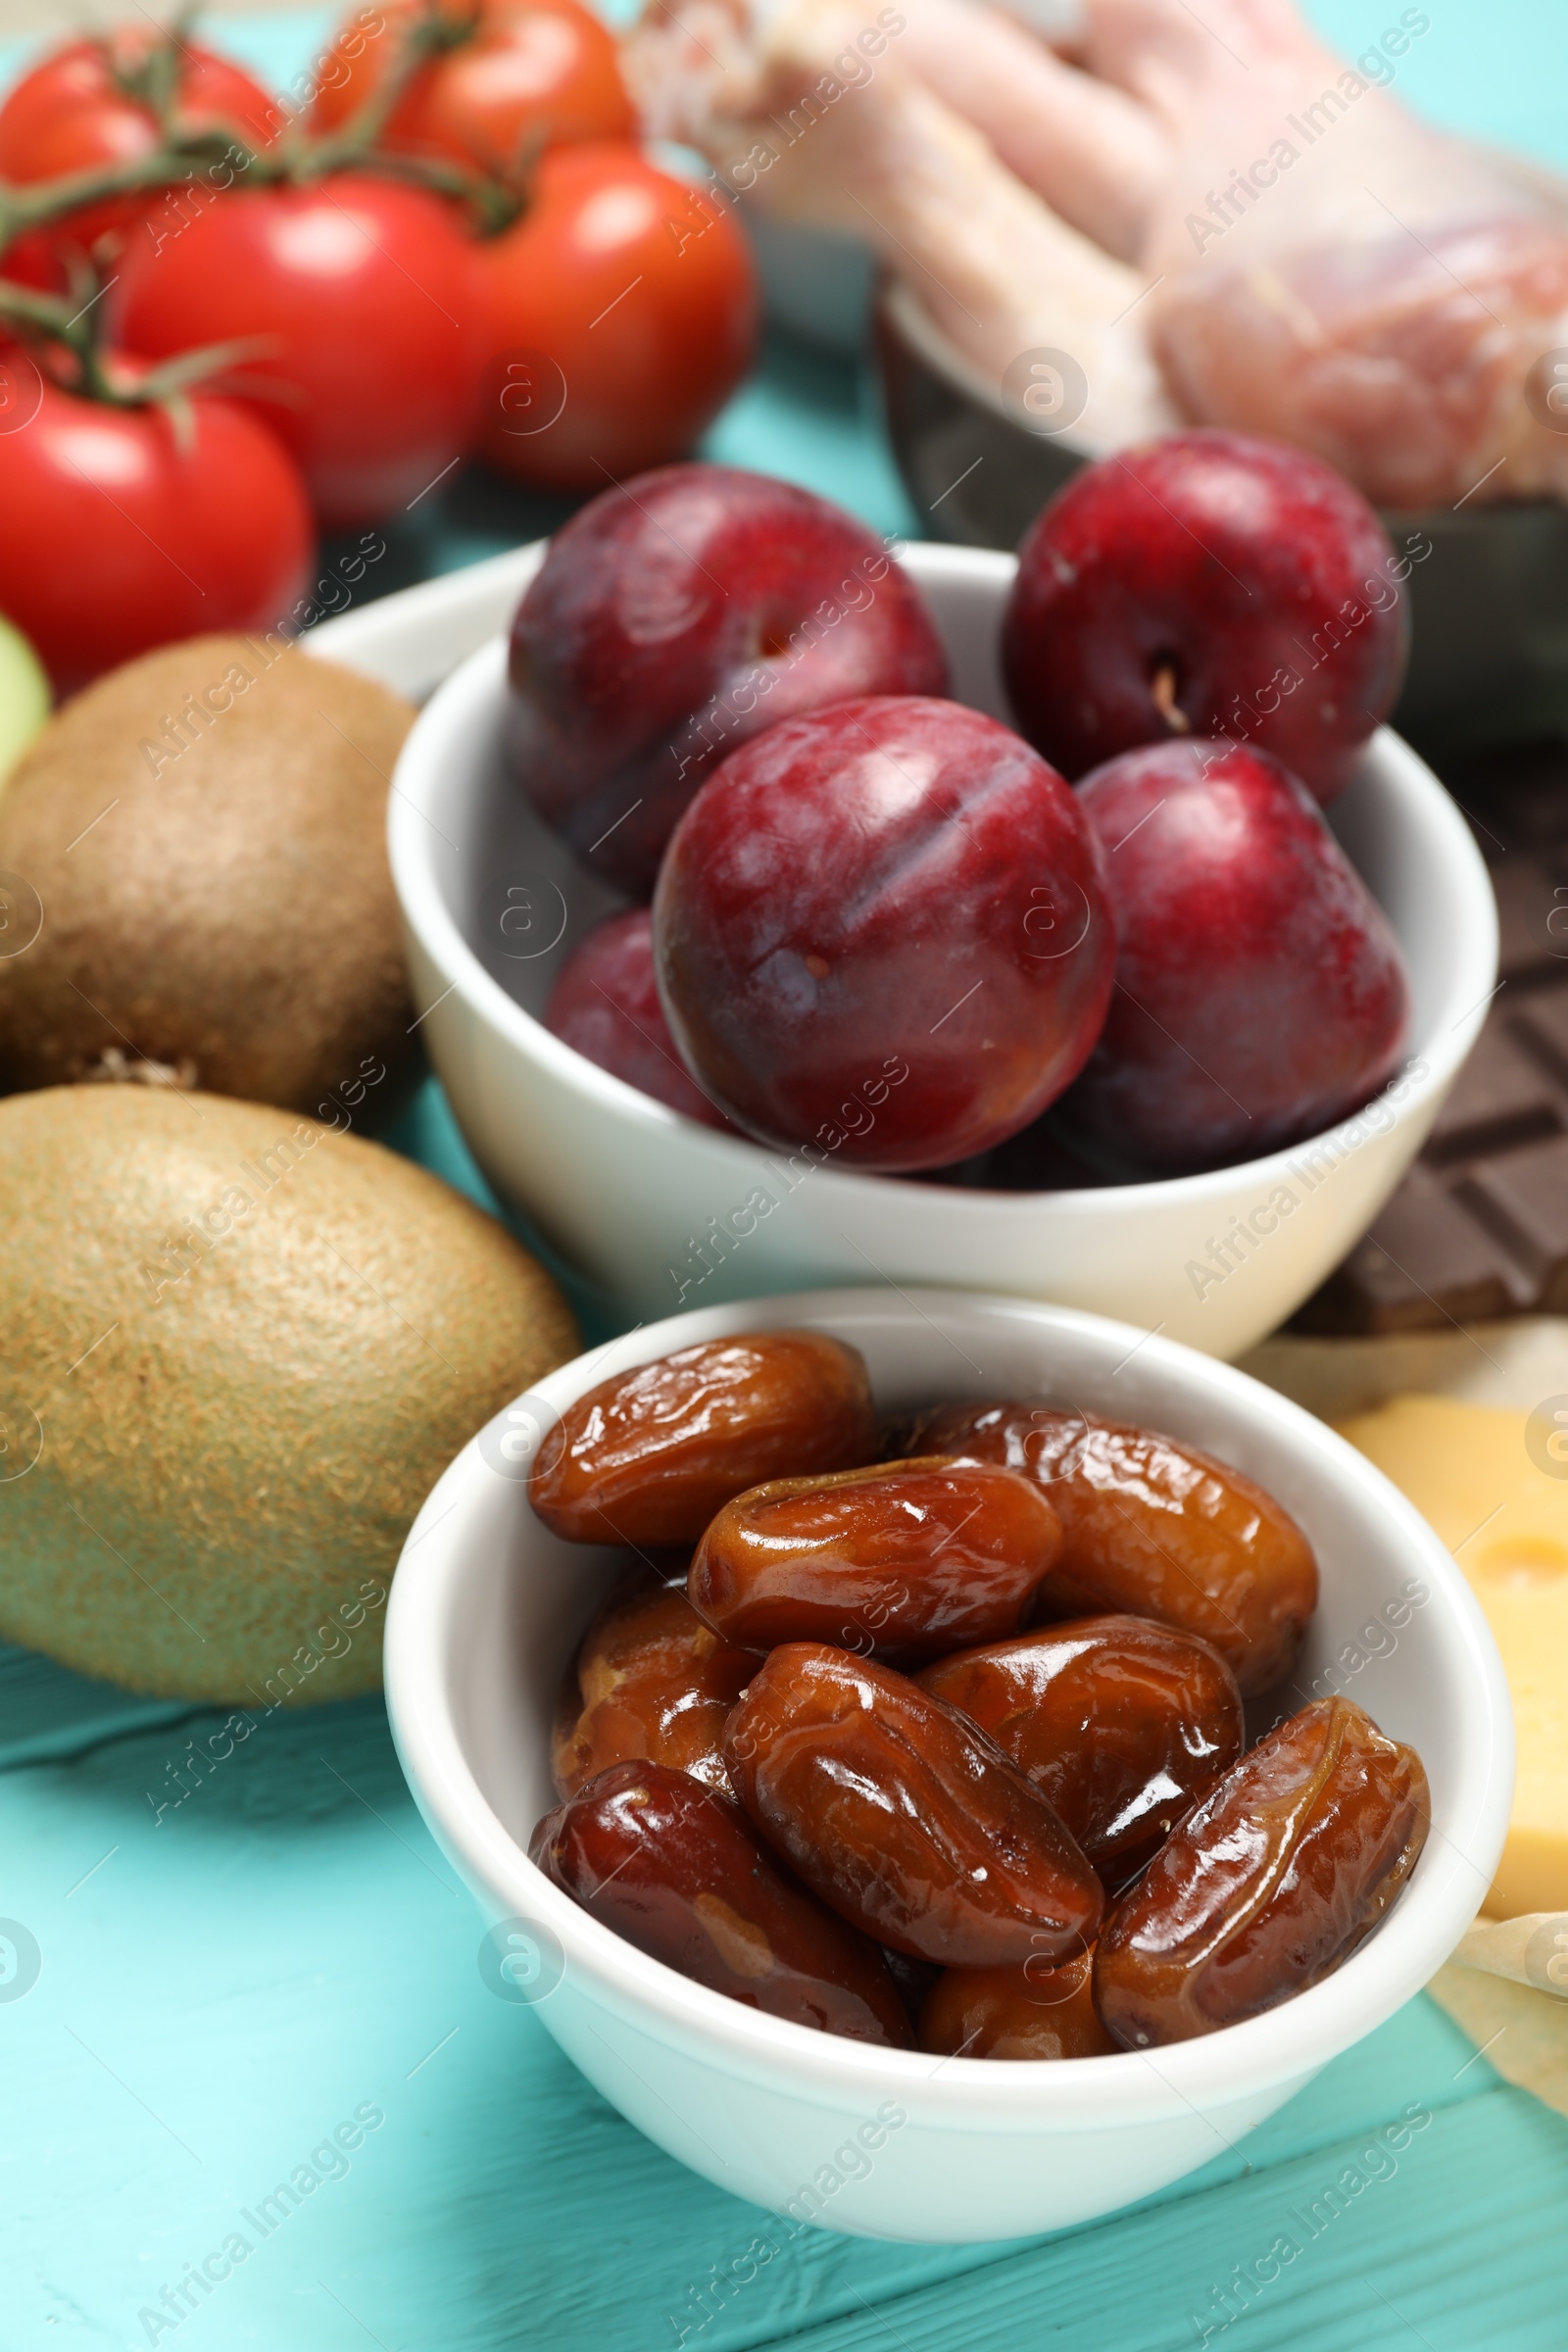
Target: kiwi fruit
240 1348
205 831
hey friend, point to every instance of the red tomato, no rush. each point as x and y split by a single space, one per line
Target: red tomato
79 108
621 314
119 531
535 70
366 294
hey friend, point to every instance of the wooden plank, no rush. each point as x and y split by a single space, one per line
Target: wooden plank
236 1978
46 1711
1462 2246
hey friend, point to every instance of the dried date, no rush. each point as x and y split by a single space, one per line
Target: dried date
1029 2011
649 1455
1123 1724
911 1559
904 1817
1152 1526
913 1978
678 1872
1270 1884
651 1680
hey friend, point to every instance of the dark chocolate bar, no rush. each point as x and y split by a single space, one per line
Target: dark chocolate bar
1479 1228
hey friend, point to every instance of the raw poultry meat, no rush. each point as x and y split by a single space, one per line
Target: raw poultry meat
1330 268
888 161
1213 190
1095 152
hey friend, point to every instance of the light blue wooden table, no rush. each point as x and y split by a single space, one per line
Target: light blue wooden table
223 1984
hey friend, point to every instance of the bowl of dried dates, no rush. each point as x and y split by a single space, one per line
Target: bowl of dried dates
785 907
942 1765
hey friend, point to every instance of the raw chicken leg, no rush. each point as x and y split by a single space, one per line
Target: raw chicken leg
1098 156
796 114
1332 271
1318 265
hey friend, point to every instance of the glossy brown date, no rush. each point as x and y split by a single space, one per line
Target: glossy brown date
1028 2012
1121 1723
1273 1882
911 1559
677 1871
913 1978
1152 1526
649 1456
904 1817
650 1680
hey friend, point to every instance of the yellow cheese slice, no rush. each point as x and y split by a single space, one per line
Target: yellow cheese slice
1467 1469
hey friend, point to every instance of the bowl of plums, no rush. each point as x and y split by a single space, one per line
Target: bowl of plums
785 907
943 1767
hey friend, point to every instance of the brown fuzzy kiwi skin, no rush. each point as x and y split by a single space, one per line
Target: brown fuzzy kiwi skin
227 908
252 1344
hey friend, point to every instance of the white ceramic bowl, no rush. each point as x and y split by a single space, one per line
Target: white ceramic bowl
661 1213
486 1608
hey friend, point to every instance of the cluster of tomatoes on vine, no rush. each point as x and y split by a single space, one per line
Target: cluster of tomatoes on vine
227 320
